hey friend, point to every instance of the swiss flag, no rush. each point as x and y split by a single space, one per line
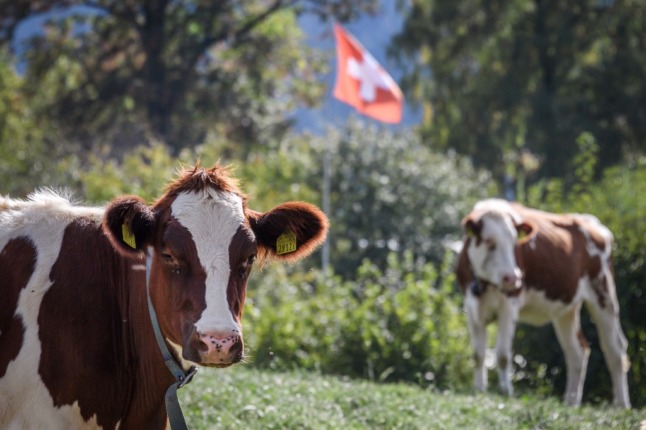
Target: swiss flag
362 83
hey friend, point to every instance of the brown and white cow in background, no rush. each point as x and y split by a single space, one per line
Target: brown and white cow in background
77 348
523 265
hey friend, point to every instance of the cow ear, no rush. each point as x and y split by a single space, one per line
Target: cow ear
472 227
129 223
525 231
289 232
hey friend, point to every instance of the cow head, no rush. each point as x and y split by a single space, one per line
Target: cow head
204 241
492 236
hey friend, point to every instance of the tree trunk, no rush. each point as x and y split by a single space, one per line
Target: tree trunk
547 134
155 71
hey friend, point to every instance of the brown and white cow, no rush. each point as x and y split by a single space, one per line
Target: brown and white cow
523 265
77 348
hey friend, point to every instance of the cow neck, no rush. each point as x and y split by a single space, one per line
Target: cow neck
479 286
173 409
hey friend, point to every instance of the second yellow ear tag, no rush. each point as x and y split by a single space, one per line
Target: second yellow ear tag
128 237
286 243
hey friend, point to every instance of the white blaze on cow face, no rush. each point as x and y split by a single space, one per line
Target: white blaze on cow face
492 254
212 217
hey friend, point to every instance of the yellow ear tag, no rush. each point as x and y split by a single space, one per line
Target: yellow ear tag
521 235
128 237
286 243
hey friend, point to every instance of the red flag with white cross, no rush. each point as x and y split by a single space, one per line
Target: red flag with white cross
362 83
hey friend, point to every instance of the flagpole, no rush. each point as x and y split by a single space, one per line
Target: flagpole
325 251
360 80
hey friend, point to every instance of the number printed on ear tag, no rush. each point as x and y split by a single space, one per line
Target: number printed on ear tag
286 243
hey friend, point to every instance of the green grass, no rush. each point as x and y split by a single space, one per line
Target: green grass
248 398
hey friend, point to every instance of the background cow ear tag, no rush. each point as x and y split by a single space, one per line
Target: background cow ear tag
521 235
286 243
128 237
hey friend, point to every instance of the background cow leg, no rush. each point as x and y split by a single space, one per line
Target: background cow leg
613 345
478 331
507 318
576 351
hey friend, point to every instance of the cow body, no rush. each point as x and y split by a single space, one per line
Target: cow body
523 265
77 349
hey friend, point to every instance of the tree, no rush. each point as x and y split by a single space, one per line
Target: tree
170 70
25 158
498 78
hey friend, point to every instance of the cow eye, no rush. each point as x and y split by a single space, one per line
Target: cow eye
170 260
244 271
246 266
491 247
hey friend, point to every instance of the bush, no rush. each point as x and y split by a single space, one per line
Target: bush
390 192
402 323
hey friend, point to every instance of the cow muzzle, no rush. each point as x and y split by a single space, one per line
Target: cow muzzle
220 349
512 281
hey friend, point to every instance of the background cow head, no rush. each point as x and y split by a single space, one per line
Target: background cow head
204 241
493 232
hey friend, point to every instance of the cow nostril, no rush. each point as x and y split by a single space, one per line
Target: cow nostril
202 346
236 351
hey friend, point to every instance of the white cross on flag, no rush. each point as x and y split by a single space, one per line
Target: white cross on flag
362 83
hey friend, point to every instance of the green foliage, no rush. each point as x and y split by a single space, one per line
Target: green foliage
400 323
27 157
585 163
123 73
278 170
270 175
240 397
391 193
144 172
499 76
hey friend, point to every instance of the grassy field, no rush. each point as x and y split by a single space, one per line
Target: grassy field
247 398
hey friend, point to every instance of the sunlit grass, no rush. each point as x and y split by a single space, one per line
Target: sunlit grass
247 398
